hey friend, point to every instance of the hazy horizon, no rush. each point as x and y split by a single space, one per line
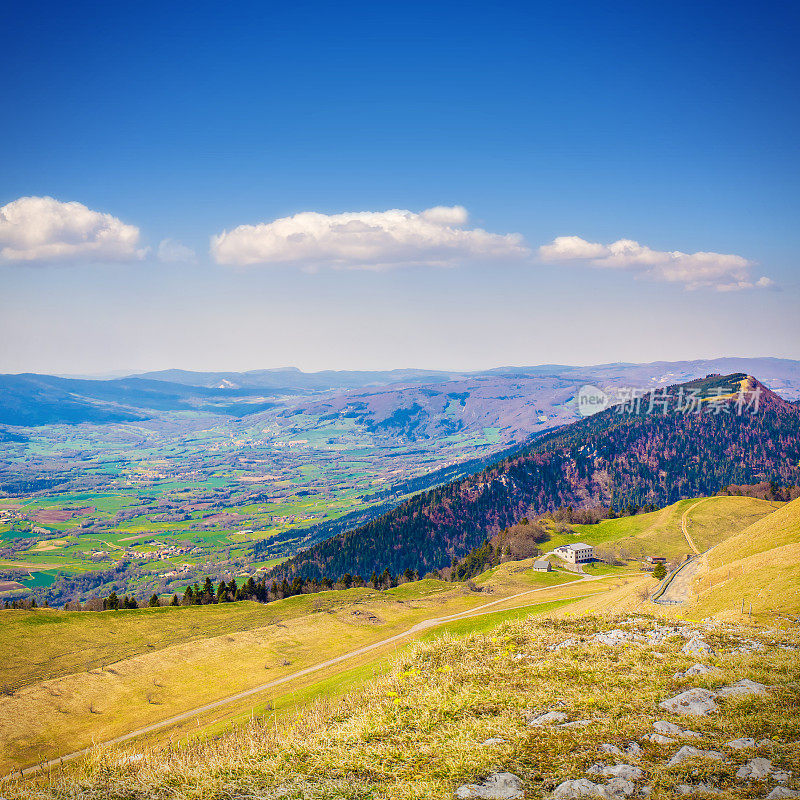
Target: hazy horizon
122 373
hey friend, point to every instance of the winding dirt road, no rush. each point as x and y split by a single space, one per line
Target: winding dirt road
679 589
685 528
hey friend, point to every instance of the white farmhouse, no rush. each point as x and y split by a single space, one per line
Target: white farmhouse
577 553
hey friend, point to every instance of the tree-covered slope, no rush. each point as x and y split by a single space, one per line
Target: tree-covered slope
688 441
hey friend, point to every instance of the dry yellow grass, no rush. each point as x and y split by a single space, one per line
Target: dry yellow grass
756 570
152 664
418 733
779 528
63 711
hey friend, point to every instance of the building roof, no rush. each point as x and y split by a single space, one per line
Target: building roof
541 563
575 546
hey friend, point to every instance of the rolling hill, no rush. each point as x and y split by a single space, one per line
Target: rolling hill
782 374
659 533
617 457
758 568
68 679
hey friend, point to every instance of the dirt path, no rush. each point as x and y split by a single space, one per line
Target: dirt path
679 589
685 528
418 628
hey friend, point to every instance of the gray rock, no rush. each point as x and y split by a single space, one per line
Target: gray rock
660 635
560 645
700 788
613 638
749 646
624 771
667 728
493 741
578 723
742 688
741 744
782 793
697 669
687 751
550 718
694 702
755 769
583 787
698 648
633 750
670 729
702 669
497 786
618 787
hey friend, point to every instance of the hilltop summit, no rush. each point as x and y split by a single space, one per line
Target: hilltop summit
686 440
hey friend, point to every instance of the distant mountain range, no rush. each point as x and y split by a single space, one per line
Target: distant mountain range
31 400
618 457
780 374
292 379
413 403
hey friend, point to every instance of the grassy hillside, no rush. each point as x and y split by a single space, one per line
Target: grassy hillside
776 530
758 567
76 677
757 563
709 521
421 731
73 678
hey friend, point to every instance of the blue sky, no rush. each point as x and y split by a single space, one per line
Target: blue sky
670 125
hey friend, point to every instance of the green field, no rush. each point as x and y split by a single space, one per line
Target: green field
217 488
72 677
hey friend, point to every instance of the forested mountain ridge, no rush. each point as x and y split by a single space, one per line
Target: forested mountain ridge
686 441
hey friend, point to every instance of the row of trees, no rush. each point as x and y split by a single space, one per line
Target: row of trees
260 591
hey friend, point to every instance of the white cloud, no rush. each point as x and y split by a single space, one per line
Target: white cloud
41 229
171 252
366 240
720 271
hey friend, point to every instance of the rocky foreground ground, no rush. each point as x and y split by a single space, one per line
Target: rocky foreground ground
588 707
